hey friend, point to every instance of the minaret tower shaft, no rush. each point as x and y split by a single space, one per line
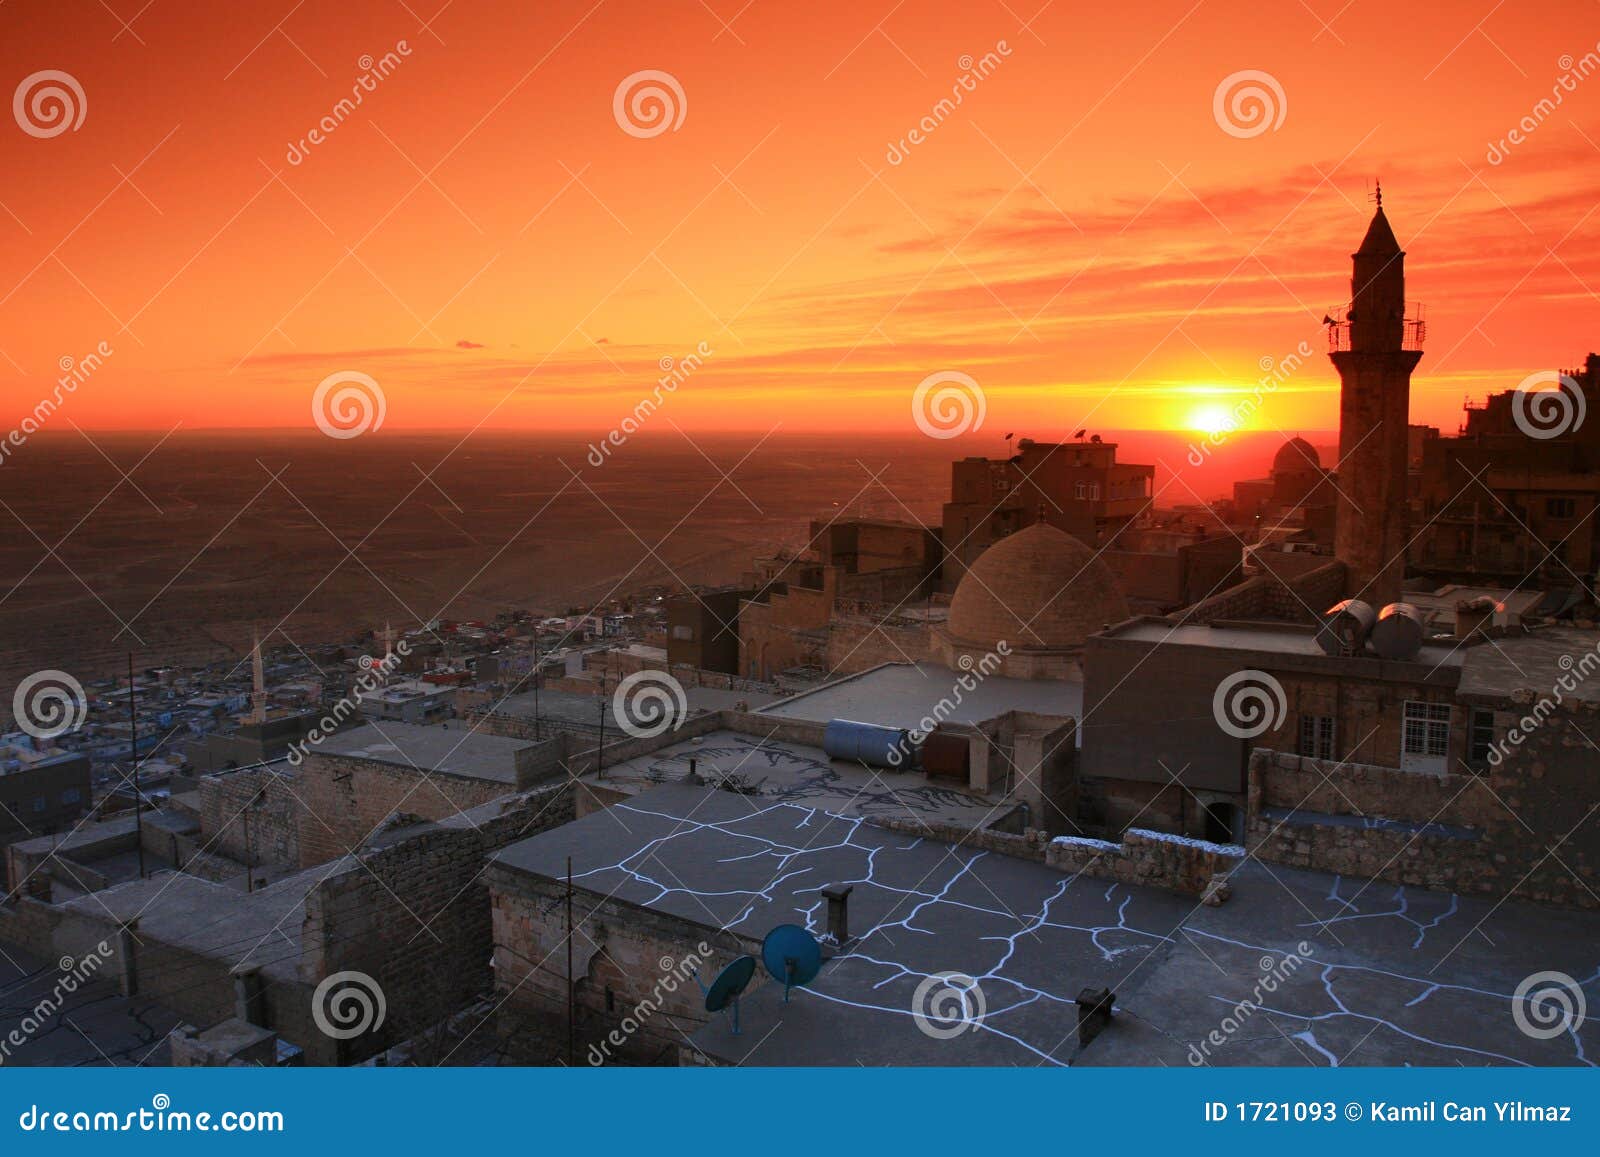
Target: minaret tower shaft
1375 349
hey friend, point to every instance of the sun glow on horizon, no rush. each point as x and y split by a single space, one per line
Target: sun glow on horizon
1212 418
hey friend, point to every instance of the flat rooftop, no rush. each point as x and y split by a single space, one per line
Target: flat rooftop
795 773
94 1025
1382 975
1284 638
1545 662
902 694
441 748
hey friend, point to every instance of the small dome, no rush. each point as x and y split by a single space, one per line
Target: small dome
1296 456
1038 589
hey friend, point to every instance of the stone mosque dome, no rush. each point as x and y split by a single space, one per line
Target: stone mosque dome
1039 589
1296 456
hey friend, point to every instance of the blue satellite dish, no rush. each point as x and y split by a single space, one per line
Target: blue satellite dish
730 982
792 956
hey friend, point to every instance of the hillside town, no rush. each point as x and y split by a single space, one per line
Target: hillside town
1086 774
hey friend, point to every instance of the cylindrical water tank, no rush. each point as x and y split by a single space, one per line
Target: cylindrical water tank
1345 627
868 743
1399 631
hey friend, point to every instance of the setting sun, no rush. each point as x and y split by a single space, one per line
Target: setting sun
1212 418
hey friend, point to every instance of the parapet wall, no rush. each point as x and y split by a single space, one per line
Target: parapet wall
1153 859
1514 831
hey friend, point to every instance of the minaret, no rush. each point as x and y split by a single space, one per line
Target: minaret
1374 354
258 684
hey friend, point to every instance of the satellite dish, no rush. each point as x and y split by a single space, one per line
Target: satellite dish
726 989
792 956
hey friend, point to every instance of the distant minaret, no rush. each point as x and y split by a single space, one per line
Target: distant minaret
258 692
1374 356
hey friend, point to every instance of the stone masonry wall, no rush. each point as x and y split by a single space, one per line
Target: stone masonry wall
274 815
347 799
415 916
1154 859
633 973
1490 834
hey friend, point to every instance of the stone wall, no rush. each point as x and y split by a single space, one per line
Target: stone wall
1153 859
1299 599
632 973
415 915
271 795
347 799
1516 830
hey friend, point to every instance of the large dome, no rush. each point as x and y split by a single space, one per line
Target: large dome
1296 456
1038 589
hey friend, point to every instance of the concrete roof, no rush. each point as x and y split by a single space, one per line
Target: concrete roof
1544 662
1387 975
95 1025
800 774
449 749
220 921
902 694
1277 638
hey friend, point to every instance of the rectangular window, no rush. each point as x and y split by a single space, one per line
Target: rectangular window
1480 740
71 795
1426 730
1316 736
1080 490
1094 491
40 804
1560 507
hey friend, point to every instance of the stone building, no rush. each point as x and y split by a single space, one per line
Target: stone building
851 568
41 790
1500 504
1078 487
1040 592
1298 492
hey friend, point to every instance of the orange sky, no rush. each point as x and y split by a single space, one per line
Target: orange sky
483 239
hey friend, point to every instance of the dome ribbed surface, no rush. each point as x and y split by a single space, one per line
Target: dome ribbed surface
1039 588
